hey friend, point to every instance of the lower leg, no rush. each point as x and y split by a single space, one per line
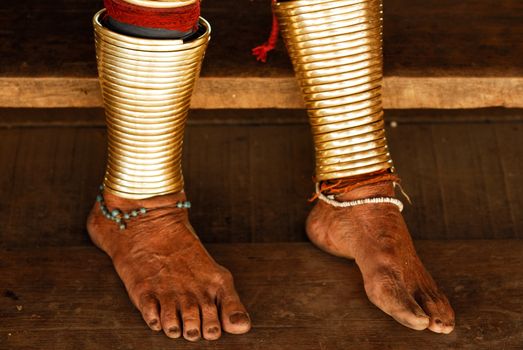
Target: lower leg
336 52
140 219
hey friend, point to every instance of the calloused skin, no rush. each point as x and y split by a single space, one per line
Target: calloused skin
180 289
170 277
376 237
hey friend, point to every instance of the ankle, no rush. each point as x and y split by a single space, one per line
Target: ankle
111 212
127 204
381 189
378 184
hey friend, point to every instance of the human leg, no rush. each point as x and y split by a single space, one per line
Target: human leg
140 218
336 50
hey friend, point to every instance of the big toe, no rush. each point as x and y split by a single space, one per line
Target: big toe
438 308
235 319
397 302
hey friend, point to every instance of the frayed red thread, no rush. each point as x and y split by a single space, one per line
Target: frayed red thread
344 185
261 51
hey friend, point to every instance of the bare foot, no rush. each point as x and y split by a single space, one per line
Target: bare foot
375 235
170 277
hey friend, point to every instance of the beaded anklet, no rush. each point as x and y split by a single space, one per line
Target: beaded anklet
331 200
120 217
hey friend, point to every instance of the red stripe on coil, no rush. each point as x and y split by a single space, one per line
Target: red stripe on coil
183 18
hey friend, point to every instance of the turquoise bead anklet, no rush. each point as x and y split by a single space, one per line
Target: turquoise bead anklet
120 217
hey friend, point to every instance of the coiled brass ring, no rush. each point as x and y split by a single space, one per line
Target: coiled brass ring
336 50
146 86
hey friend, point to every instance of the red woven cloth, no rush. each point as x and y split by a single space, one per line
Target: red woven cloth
183 19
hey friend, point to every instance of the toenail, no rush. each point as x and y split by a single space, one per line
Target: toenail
213 330
193 333
239 317
153 323
174 330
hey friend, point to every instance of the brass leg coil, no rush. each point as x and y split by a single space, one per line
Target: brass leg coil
336 50
146 87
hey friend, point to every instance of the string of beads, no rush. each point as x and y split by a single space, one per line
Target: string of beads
332 201
120 217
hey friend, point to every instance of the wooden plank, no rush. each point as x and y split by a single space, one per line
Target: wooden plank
219 155
415 160
94 117
51 184
245 92
455 172
298 297
281 164
430 60
510 162
425 39
249 179
480 199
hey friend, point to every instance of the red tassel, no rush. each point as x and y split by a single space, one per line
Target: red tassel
261 51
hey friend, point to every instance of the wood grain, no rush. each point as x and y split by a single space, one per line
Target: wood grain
274 92
438 54
249 174
53 38
298 297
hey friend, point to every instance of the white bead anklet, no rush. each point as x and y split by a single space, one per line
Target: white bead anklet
330 199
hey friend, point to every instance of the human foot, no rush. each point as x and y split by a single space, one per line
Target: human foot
375 235
170 277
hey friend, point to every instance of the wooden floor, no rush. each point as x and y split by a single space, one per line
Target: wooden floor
249 176
298 297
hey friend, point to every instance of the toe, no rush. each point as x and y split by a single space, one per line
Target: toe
235 319
409 313
211 328
149 308
441 314
169 316
190 313
394 300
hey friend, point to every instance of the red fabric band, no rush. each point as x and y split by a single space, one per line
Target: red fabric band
183 19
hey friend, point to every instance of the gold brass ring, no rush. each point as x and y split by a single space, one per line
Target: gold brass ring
335 47
146 86
293 8
355 139
332 155
346 158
